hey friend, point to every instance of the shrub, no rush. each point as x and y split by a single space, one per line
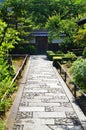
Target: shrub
69 64
2 124
32 49
78 71
55 59
70 56
50 54
24 49
6 75
59 52
84 53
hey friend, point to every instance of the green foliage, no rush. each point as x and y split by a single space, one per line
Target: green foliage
69 64
53 22
53 25
5 104
50 54
32 49
39 11
4 86
57 58
84 53
80 37
2 124
68 27
25 27
65 13
70 56
59 52
78 71
15 14
24 49
57 26
8 38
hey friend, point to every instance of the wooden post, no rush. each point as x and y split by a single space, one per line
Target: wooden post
75 87
65 76
60 69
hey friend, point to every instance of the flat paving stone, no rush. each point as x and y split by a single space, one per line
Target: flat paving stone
33 109
49 114
45 103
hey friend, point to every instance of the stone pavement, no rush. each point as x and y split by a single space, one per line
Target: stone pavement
43 101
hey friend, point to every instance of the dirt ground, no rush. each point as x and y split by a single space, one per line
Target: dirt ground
16 62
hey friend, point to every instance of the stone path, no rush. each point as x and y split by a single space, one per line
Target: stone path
44 102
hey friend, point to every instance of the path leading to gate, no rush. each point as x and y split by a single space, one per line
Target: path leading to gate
43 101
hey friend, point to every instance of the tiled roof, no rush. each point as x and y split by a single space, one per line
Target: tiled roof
40 33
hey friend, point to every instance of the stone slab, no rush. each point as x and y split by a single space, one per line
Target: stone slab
44 121
37 91
43 104
33 109
65 127
49 114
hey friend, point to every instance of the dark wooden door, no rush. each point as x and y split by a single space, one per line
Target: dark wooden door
41 43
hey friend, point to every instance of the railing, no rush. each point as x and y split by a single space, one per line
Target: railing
66 77
16 75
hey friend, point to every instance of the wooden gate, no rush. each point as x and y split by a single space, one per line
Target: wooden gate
41 43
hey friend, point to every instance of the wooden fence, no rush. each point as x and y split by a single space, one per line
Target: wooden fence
67 78
16 76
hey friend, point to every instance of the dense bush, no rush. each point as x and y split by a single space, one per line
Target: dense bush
59 52
24 49
53 56
84 53
6 75
32 49
70 56
78 71
50 54
55 59
8 38
2 124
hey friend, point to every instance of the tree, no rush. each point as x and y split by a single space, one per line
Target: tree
63 19
8 38
15 14
39 11
69 28
80 37
53 26
67 8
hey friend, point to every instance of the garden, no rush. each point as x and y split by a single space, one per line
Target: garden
72 69
18 18
74 65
